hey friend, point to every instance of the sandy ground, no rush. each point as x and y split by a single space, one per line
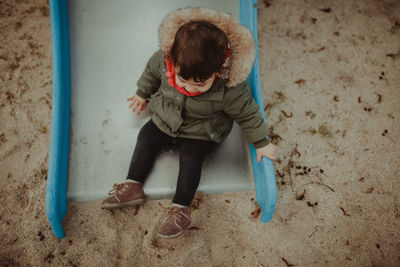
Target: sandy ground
333 67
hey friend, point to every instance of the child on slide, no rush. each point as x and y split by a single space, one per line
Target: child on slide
195 87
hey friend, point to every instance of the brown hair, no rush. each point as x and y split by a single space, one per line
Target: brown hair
199 50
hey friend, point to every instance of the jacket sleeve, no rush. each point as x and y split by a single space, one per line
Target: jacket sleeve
150 80
241 107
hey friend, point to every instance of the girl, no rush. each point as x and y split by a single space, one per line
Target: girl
195 87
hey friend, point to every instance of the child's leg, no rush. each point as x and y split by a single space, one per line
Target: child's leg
192 154
149 143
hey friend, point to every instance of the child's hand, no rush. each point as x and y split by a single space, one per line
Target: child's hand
137 104
267 151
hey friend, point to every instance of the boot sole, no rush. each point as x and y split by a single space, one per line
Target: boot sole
175 235
123 204
170 236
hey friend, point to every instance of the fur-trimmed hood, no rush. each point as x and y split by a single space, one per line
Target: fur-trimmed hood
240 39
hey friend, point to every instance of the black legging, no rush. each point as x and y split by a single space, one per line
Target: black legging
151 141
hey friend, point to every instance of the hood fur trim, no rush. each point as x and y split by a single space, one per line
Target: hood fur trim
240 39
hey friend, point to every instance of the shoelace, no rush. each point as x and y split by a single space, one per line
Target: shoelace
174 210
116 189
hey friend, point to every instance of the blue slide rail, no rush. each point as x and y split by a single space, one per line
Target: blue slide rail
57 181
264 174
56 195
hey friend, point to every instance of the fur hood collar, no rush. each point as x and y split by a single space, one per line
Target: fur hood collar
240 39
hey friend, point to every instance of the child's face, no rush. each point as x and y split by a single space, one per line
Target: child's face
192 86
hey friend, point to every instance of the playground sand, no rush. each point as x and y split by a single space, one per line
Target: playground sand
330 72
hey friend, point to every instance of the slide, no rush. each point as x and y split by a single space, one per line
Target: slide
99 50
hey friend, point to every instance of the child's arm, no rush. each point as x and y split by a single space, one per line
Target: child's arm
150 80
241 107
148 83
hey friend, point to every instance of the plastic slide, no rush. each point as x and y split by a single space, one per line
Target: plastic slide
96 63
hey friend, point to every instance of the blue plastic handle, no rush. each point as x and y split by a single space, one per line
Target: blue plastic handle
56 195
264 174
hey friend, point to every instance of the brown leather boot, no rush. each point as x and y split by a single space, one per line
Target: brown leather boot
175 223
126 194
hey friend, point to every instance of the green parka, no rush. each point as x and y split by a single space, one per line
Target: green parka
208 116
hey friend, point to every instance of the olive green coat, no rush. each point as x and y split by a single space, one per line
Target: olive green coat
208 116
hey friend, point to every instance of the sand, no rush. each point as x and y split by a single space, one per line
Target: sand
331 87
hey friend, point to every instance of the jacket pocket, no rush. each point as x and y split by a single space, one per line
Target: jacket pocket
167 110
211 131
221 126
